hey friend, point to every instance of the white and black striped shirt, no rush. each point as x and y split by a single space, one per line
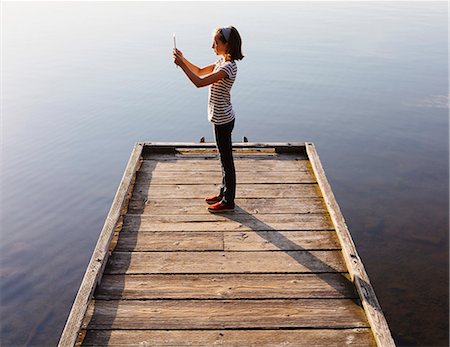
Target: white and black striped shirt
220 110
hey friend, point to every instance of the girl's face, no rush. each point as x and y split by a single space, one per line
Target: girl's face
218 46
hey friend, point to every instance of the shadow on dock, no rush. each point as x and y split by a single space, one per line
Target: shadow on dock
283 243
259 227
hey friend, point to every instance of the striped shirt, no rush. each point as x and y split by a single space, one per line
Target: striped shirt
220 110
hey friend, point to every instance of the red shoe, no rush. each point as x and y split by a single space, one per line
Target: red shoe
221 207
213 199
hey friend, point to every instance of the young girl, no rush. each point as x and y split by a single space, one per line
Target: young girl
219 77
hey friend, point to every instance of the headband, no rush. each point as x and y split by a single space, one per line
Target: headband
226 33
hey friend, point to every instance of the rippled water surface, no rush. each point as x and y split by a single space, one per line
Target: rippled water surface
367 82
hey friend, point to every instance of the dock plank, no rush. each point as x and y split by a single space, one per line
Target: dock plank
225 262
169 241
225 286
230 241
159 206
355 337
201 191
220 314
280 240
252 165
209 156
199 177
216 222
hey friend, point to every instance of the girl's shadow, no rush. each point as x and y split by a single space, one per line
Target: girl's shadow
343 286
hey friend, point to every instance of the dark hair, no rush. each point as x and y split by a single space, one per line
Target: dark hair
234 43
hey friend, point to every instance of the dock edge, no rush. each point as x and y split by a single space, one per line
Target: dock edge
100 255
358 275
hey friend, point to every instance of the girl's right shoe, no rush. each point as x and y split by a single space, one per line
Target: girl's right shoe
221 207
213 199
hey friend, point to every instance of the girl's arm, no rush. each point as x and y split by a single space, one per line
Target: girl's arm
199 71
206 70
203 82
198 82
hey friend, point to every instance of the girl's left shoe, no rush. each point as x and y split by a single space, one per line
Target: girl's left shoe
213 199
221 207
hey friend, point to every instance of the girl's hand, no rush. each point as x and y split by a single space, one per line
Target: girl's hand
178 57
178 52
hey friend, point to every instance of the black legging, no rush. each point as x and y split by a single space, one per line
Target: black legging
224 146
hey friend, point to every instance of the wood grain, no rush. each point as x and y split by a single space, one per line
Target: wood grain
229 241
174 177
354 337
220 314
223 262
252 165
225 286
158 206
169 241
201 191
227 222
280 240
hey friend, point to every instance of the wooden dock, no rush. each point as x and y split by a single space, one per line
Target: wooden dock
282 270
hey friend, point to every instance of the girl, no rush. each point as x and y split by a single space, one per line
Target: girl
219 77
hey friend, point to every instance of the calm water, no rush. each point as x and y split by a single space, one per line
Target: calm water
367 82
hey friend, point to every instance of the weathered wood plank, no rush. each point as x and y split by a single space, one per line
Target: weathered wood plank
227 222
225 286
170 241
214 157
280 240
174 177
356 337
205 153
281 147
354 263
100 254
161 206
192 165
210 148
236 151
247 191
230 241
224 262
220 314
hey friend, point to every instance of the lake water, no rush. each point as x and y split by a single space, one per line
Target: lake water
367 82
